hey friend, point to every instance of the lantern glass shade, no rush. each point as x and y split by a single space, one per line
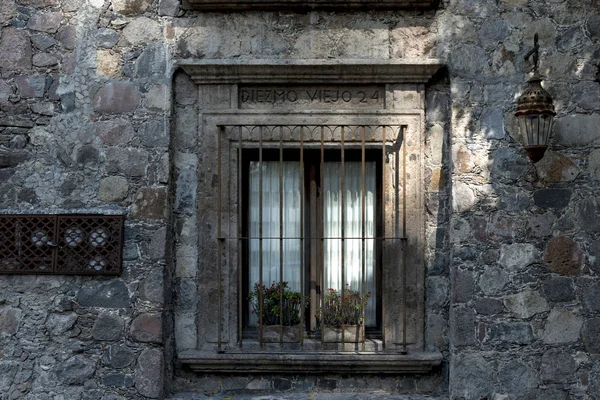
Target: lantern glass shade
535 129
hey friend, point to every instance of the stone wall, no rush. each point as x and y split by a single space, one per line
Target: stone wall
513 260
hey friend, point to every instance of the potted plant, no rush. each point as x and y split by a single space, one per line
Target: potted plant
341 316
280 311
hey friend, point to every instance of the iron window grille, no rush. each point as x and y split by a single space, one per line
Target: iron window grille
61 244
362 139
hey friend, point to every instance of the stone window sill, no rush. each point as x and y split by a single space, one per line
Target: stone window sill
311 362
219 5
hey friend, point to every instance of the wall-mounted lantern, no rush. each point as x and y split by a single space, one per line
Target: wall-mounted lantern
535 111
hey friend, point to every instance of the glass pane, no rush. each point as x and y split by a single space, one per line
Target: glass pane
271 226
352 217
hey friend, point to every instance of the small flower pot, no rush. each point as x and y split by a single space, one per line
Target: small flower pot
272 333
352 334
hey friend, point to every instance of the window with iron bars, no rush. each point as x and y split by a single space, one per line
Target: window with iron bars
309 215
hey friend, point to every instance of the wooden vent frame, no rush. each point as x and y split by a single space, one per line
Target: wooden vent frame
61 244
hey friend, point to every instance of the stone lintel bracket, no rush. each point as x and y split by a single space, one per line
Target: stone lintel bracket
309 71
282 5
311 363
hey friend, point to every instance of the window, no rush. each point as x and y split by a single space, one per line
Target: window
310 228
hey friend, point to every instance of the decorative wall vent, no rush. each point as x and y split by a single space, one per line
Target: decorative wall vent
216 5
61 244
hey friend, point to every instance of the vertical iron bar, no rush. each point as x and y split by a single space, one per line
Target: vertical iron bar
343 211
302 272
281 234
322 229
405 239
363 230
239 242
260 233
219 242
383 247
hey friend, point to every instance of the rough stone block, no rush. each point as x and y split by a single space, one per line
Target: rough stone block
45 21
114 132
158 97
108 63
577 130
562 326
128 161
463 286
117 380
152 63
508 165
15 49
555 168
563 256
557 288
587 214
10 319
591 297
113 188
147 328
107 38
487 306
140 31
517 377
75 370
8 370
148 375
131 7
594 164
116 97
152 287
108 327
110 294
8 9
526 303
463 197
558 367
150 203
462 326
552 198
186 331
518 256
153 133
58 324
472 376
510 332
493 280
590 334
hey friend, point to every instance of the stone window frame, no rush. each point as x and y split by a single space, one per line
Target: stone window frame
218 84
304 5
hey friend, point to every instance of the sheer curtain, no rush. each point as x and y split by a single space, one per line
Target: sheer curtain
270 225
352 216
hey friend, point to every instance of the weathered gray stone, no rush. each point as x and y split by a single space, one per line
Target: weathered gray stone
117 356
463 286
128 161
168 8
10 319
111 294
557 288
158 97
472 376
437 291
152 63
149 373
492 124
592 25
108 327
514 199
152 287
591 297
12 158
493 280
577 130
518 256
463 197
517 377
129 7
594 164
8 370
590 334
436 330
8 9
67 36
586 96
42 41
185 91
502 226
510 332
563 256
116 98
117 380
31 86
157 244
552 198
587 214
562 326
44 60
115 131
555 168
140 31
113 188
107 38
147 328
45 21
526 303
540 225
462 326
88 155
150 203
558 367
15 50
58 324
154 134
75 370
488 306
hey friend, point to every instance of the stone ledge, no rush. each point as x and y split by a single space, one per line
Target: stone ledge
311 362
310 71
282 5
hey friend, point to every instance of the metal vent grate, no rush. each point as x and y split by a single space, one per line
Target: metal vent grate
61 244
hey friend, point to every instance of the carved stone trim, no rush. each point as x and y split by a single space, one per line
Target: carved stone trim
229 5
312 363
309 71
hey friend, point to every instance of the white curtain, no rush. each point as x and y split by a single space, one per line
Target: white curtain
271 227
352 217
